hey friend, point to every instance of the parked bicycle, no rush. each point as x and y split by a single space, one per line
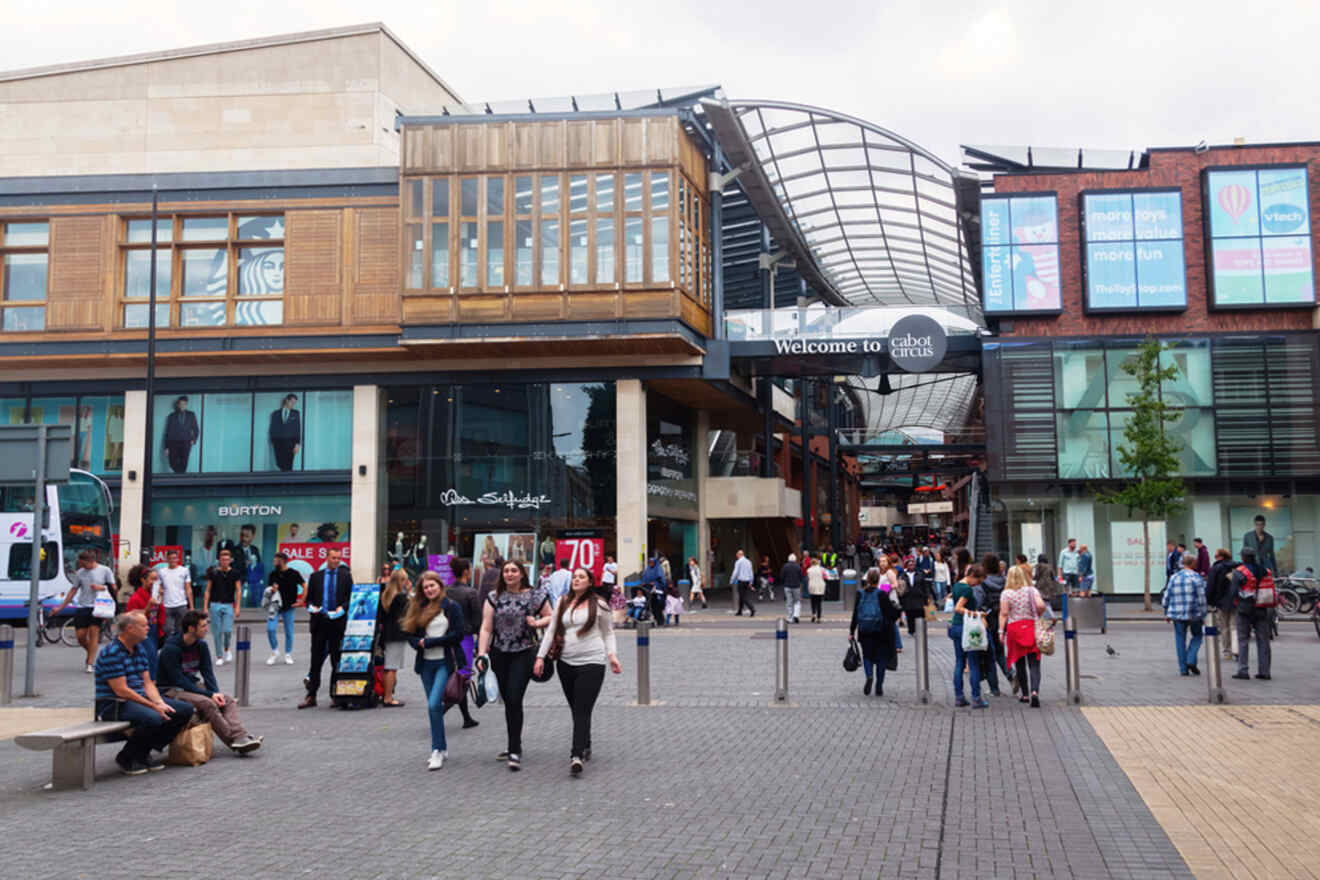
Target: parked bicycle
1298 595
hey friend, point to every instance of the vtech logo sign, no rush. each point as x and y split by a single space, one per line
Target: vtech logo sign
18 530
1282 218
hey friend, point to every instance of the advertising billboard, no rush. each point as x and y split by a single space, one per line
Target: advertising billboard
1134 251
1020 254
1260 237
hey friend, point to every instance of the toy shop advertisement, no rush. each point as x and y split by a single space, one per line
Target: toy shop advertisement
354 671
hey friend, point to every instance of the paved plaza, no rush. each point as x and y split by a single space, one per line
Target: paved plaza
1145 780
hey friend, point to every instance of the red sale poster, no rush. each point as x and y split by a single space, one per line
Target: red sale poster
159 552
588 553
308 558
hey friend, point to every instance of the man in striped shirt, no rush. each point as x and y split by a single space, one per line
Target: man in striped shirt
1184 606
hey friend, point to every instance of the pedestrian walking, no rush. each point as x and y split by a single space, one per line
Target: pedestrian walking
695 590
1020 607
393 636
580 641
874 614
1045 584
285 581
673 605
220 602
791 578
765 580
941 576
992 658
434 624
1219 596
741 578
1184 606
1250 619
510 619
816 589
914 598
965 605
464 594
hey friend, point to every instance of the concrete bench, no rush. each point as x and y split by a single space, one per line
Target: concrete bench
73 759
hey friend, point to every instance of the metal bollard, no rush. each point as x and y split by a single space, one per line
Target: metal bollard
643 662
242 662
923 662
1214 675
781 660
6 664
1073 674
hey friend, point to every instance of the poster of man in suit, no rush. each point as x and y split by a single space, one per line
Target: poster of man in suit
286 432
180 434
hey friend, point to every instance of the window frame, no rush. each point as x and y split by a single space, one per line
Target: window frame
1087 307
7 250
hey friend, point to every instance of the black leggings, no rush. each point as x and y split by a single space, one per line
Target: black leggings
1032 662
513 671
581 686
815 606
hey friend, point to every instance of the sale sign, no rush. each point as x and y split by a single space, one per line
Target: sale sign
588 553
160 552
315 554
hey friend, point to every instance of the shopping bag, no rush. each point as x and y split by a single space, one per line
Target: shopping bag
1045 637
193 746
104 607
948 605
485 689
973 634
853 658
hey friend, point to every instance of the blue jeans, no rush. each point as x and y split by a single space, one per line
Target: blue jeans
153 650
962 661
272 629
434 675
1186 653
940 587
149 730
898 638
222 626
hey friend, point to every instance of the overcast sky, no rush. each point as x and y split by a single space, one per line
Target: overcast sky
1123 74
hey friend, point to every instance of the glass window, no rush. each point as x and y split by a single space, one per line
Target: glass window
523 253
659 191
549 194
633 249
100 440
205 271
468 196
203 314
439 197
261 271
1118 419
139 231
604 250
1134 250
577 251
27 234
136 315
416 255
1083 440
577 193
177 419
1020 253
329 443
1120 384
227 433
549 252
25 277
467 255
632 191
1193 383
1195 430
494 196
604 193
440 254
1079 378
205 228
495 253
263 227
1260 244
522 195
259 313
415 205
659 249
137 275
277 438
25 319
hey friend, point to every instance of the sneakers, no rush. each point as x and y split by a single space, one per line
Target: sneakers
229 656
1194 669
219 661
1242 676
246 745
130 768
1035 701
90 668
961 703
308 702
515 763
575 766
502 756
154 764
437 759
288 659
586 754
274 658
980 704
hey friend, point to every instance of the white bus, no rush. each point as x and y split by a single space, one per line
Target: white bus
77 519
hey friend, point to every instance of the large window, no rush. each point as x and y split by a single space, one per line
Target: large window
23 282
97 420
551 231
1134 251
1020 254
211 271
1260 237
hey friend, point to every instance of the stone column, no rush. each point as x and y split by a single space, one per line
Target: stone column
630 473
702 472
368 508
130 492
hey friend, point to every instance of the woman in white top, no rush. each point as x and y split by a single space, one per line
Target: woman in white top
941 577
582 636
1020 606
694 575
434 625
816 588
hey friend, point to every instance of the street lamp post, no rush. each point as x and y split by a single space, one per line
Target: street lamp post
150 433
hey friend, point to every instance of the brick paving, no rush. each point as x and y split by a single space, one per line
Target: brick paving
712 782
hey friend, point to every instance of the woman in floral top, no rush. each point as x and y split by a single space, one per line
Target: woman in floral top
510 618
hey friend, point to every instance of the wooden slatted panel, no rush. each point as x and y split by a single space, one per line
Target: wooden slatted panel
633 141
605 143
376 282
77 273
579 144
313 259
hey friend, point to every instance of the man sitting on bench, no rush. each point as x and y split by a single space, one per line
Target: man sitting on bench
186 674
125 692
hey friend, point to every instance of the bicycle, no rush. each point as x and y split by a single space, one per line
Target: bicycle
1298 595
69 634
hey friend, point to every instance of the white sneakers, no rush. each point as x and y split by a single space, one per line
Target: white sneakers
219 661
90 668
274 658
437 760
288 659
229 656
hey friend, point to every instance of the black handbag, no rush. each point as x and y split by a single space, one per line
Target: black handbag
853 658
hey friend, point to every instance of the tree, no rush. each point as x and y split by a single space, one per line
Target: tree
1149 452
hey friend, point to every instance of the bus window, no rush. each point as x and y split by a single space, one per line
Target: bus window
20 561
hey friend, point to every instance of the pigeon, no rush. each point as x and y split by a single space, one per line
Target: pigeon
1109 649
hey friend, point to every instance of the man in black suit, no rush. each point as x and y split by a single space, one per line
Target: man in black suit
286 432
180 433
327 605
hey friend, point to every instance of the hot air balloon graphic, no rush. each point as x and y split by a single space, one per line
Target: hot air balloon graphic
1235 199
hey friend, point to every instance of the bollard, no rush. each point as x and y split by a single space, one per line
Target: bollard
1072 673
6 664
923 662
643 662
781 660
1214 675
242 664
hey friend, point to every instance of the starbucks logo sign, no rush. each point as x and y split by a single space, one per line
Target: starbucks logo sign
917 343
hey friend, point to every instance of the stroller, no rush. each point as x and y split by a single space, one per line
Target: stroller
639 609
765 589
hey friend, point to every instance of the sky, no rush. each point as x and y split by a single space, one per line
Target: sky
1117 75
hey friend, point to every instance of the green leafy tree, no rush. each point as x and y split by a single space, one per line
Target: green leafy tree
1149 452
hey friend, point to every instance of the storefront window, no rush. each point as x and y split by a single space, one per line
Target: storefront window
329 430
1077 374
178 421
1193 384
1083 445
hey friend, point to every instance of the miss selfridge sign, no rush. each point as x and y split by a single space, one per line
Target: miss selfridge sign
916 344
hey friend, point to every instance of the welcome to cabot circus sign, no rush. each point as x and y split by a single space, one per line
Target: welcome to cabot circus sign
916 344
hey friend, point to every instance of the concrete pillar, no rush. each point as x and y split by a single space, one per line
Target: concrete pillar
130 492
368 508
703 474
630 473
1208 525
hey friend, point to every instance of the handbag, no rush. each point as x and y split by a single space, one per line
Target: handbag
973 634
455 687
1045 637
104 605
193 746
852 658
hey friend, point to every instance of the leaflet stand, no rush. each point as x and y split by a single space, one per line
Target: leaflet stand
353 678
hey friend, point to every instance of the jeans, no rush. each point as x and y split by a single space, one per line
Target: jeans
960 661
435 673
174 618
513 671
224 720
792 602
1257 622
898 638
222 626
1227 623
1186 653
872 660
149 730
272 630
581 686
940 587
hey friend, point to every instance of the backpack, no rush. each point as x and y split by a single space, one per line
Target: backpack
1256 593
870 616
